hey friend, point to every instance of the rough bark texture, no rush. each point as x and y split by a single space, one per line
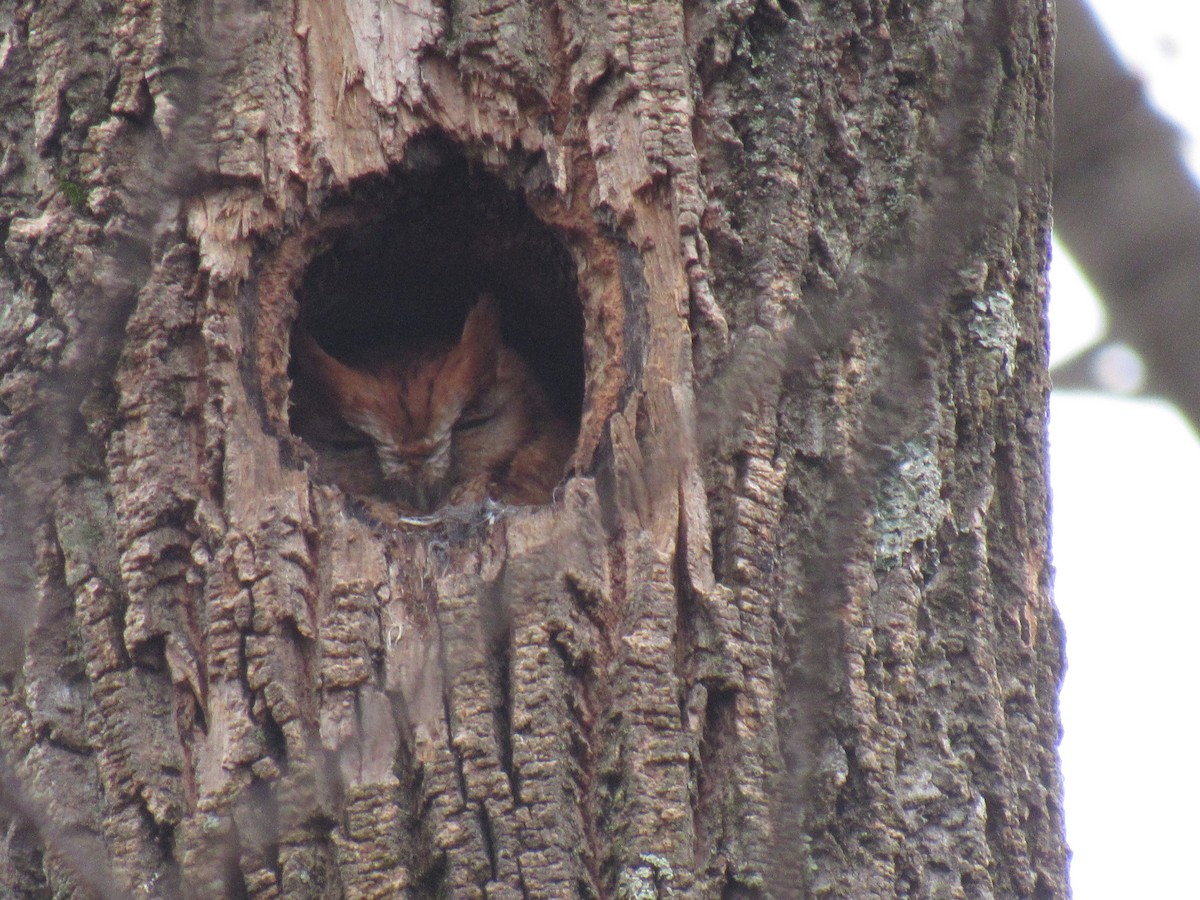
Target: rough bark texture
785 631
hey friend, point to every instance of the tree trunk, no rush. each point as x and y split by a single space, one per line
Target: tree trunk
784 630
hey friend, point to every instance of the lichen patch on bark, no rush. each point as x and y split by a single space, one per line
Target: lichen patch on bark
785 629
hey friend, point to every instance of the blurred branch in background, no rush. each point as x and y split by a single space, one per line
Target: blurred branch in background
1129 210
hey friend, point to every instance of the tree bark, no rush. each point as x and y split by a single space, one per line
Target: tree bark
786 628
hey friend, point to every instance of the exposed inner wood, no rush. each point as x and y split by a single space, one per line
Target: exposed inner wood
786 628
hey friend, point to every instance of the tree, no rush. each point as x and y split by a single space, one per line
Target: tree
1134 237
786 629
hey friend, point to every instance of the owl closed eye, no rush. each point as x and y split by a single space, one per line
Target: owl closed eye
450 423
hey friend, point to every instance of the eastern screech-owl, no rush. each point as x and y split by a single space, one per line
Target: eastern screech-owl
450 423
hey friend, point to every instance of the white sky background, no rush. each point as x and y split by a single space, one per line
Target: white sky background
1126 480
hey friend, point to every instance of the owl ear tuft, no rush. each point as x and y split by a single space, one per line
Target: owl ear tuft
478 349
353 394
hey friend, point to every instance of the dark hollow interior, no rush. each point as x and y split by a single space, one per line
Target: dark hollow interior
412 253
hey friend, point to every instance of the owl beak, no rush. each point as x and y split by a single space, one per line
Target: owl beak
421 496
